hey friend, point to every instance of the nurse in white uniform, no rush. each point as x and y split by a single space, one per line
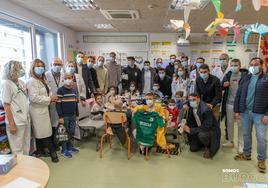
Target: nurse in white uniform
40 98
16 105
55 80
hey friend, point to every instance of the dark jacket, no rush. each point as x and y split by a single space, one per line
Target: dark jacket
153 76
87 77
170 70
208 123
210 91
260 105
227 78
134 75
165 85
94 78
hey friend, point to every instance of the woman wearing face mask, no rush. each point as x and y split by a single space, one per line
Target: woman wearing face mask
180 83
102 74
15 101
78 82
177 63
40 98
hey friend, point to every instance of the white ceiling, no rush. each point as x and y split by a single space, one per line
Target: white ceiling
150 21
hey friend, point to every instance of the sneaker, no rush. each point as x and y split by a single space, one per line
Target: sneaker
66 154
242 157
73 150
228 144
261 166
206 154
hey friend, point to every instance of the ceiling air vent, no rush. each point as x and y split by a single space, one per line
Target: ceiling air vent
121 14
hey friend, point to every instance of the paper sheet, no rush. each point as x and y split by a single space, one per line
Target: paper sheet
22 183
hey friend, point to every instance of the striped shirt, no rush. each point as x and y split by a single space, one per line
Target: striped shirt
67 102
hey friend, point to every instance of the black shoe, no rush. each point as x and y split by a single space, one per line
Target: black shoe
55 160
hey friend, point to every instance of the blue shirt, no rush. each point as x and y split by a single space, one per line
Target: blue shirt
251 92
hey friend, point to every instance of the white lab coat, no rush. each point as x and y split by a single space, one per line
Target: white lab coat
179 85
39 103
54 88
81 87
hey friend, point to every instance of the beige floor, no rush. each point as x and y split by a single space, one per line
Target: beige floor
188 170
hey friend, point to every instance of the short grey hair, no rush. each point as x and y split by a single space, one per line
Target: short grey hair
10 71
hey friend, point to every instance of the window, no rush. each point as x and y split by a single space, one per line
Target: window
15 43
46 45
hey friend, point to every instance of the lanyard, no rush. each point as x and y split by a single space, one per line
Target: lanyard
57 81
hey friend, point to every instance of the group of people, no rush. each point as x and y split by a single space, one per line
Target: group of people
227 92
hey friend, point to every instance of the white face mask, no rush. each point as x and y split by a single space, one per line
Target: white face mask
79 60
68 82
150 103
146 67
155 88
171 106
132 88
100 63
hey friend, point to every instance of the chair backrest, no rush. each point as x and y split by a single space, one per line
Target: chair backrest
84 111
114 117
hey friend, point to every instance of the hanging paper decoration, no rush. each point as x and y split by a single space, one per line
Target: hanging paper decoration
180 24
217 5
257 4
223 31
261 29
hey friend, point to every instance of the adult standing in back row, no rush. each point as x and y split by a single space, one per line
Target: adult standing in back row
114 71
170 70
131 74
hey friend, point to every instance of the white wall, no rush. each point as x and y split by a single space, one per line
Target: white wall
27 15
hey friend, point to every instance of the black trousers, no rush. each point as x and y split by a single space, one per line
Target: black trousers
43 143
199 140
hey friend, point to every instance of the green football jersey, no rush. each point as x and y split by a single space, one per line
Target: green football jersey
146 126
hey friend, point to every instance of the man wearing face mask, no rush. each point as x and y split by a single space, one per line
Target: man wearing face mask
184 62
114 71
230 85
251 106
131 74
158 64
195 73
102 74
83 70
164 82
224 60
202 128
147 77
55 79
90 65
170 68
209 88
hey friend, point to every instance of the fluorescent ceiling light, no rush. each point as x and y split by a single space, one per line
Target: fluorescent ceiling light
104 26
194 4
81 4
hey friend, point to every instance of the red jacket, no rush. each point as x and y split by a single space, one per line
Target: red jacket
174 113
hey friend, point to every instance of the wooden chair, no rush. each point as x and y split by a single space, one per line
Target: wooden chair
110 119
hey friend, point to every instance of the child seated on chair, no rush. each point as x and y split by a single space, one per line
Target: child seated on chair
110 98
67 109
173 112
98 107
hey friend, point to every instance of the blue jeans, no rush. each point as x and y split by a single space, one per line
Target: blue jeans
248 118
69 124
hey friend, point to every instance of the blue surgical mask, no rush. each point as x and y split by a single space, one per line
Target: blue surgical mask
146 67
39 71
79 60
172 61
254 70
155 88
223 61
194 104
198 65
234 69
204 75
56 68
22 72
184 63
159 65
70 70
100 63
180 73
